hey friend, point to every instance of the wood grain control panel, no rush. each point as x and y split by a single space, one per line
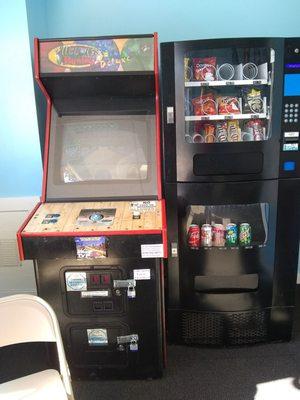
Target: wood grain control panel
96 216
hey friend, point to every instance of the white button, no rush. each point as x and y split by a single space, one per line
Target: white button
290 120
296 120
291 105
286 120
297 105
286 115
296 114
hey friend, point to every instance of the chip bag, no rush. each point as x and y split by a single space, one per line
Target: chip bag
204 68
253 102
205 105
228 105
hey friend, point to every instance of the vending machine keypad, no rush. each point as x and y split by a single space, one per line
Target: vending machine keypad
291 112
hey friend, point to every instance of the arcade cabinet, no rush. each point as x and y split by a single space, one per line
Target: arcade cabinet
98 235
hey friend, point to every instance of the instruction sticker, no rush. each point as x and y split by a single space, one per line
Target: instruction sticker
76 281
146 205
95 293
152 250
97 337
141 274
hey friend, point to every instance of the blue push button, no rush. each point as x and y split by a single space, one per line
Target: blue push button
289 166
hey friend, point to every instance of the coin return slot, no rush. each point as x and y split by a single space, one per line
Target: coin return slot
108 305
98 306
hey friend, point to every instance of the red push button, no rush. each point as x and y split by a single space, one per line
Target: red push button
105 279
95 280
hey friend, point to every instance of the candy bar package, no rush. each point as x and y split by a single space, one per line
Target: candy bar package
204 69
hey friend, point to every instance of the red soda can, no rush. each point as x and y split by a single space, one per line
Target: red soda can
206 235
218 233
194 237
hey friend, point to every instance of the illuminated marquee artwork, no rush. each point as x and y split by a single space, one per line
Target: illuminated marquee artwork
106 55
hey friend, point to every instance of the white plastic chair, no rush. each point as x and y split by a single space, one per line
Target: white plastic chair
26 318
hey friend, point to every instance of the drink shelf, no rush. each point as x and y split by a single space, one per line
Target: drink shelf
238 82
228 248
219 117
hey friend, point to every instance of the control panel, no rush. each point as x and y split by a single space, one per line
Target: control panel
290 139
93 292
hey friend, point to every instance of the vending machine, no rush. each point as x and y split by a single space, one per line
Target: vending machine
231 125
98 236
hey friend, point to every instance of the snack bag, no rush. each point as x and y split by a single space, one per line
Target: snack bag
256 128
228 105
205 105
209 133
221 131
188 71
233 131
204 68
253 102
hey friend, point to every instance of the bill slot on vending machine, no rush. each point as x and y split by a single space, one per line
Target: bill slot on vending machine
98 235
231 170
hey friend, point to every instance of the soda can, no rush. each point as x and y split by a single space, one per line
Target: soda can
245 234
231 235
206 235
194 237
218 235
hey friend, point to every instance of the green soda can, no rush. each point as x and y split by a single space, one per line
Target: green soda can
231 235
245 234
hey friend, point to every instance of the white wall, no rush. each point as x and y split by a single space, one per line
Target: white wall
16 276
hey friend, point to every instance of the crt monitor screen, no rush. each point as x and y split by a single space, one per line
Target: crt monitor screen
102 156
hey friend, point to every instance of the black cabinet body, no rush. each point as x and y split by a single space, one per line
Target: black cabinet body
220 293
95 317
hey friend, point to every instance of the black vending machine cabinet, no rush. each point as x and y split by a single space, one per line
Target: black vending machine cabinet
231 125
98 236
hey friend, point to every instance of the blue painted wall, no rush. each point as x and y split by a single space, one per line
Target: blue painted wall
20 161
37 27
174 19
20 164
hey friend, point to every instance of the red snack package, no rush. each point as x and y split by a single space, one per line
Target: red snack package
204 68
205 105
228 105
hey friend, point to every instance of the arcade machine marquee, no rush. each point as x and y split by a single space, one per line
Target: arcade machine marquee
98 235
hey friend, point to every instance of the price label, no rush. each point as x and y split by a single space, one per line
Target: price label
254 116
229 83
204 83
257 82
152 250
204 118
228 117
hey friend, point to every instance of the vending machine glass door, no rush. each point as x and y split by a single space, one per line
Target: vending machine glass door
226 246
228 109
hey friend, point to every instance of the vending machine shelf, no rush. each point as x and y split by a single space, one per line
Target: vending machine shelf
218 117
237 82
228 248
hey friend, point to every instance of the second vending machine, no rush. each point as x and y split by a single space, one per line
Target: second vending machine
231 169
